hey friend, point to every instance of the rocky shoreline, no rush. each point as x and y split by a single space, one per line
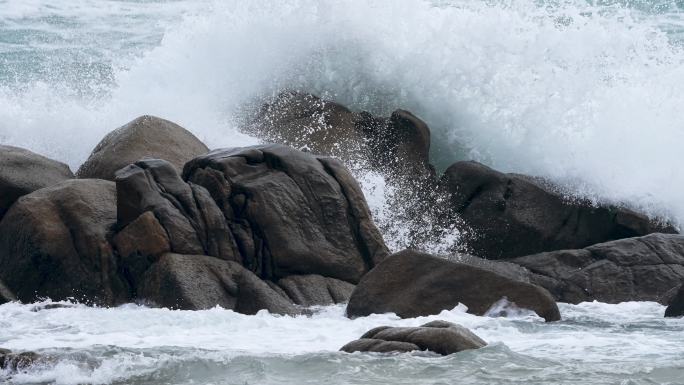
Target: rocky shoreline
155 217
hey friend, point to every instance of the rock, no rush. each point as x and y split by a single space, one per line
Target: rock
669 295
53 243
23 172
440 337
146 136
196 282
291 213
139 245
6 294
633 269
17 361
676 305
515 215
399 144
315 290
184 217
413 284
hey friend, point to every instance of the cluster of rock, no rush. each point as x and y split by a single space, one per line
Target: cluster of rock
264 227
576 249
153 216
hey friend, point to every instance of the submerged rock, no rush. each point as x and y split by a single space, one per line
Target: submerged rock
515 215
17 361
196 282
144 137
54 243
23 172
675 306
440 337
634 269
413 284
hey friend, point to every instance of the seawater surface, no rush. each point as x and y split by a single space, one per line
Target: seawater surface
629 343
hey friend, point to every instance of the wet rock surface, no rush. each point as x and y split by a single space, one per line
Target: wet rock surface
440 337
13 362
197 282
291 213
675 306
23 172
413 284
54 243
634 269
144 137
514 215
398 144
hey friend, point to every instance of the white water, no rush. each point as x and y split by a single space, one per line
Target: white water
596 343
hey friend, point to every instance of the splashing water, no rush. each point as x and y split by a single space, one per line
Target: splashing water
589 94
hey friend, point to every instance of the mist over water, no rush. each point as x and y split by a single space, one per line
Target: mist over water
587 93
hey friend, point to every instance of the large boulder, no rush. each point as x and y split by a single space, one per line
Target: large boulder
54 243
144 137
675 306
23 172
196 282
440 337
291 213
399 144
634 269
514 215
413 284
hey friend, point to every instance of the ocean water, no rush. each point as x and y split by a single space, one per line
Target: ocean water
589 94
629 343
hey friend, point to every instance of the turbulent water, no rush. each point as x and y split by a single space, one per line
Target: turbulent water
587 93
630 343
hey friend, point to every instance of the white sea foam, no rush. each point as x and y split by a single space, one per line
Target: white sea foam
128 343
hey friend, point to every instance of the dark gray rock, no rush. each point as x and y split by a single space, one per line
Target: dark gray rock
13 362
315 290
54 243
144 137
196 282
440 337
669 295
23 172
398 145
291 213
514 215
6 294
675 306
413 284
633 269
184 212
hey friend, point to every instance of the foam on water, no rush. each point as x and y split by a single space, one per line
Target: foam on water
132 344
